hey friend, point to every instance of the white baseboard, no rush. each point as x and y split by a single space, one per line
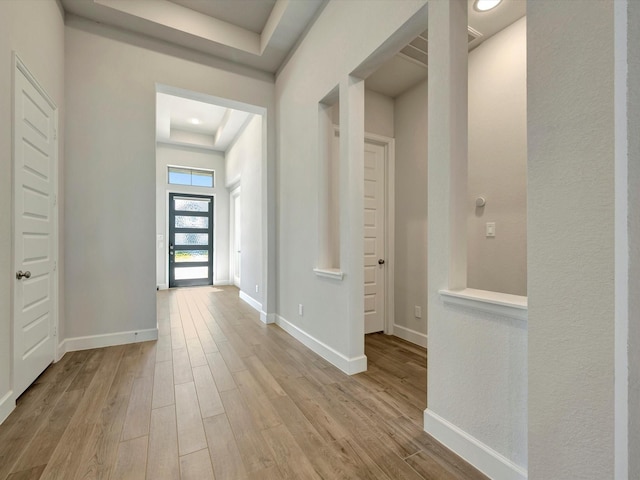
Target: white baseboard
350 366
107 340
410 335
267 317
264 316
62 349
482 457
7 404
251 301
216 283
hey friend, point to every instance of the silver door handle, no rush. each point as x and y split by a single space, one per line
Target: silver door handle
20 274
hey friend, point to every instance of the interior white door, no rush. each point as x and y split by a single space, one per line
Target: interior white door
374 245
34 231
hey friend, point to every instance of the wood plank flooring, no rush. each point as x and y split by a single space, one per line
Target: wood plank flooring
221 395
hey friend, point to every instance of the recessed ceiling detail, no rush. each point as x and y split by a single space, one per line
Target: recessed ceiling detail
257 34
187 122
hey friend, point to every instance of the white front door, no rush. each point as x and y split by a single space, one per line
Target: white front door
374 234
34 158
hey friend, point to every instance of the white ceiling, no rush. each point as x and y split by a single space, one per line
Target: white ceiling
491 22
255 33
396 76
216 128
401 73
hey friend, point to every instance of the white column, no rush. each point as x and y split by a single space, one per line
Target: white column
269 230
352 208
447 149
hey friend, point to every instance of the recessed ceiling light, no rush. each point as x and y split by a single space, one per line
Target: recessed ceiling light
485 5
195 121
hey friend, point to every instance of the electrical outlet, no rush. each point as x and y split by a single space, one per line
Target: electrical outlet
300 309
417 311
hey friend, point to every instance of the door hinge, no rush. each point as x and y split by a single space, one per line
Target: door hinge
55 134
55 330
55 200
55 265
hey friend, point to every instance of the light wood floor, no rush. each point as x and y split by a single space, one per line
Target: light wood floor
220 394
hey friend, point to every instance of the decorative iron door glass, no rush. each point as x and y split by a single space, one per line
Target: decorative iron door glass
190 240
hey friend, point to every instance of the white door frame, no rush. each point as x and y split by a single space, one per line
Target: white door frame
19 66
234 193
389 145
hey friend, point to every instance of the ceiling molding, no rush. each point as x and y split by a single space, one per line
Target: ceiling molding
163 46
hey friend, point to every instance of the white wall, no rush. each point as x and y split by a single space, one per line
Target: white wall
196 158
333 309
110 227
571 239
244 168
633 184
35 30
498 162
378 113
411 208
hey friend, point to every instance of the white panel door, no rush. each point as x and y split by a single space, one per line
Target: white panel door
374 234
34 232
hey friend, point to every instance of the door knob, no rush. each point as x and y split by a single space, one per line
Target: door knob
20 274
380 262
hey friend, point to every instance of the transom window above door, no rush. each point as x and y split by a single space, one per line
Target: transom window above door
191 177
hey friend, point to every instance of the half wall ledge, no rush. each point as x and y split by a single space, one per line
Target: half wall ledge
504 304
332 273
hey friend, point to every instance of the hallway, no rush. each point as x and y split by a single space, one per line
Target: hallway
221 395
